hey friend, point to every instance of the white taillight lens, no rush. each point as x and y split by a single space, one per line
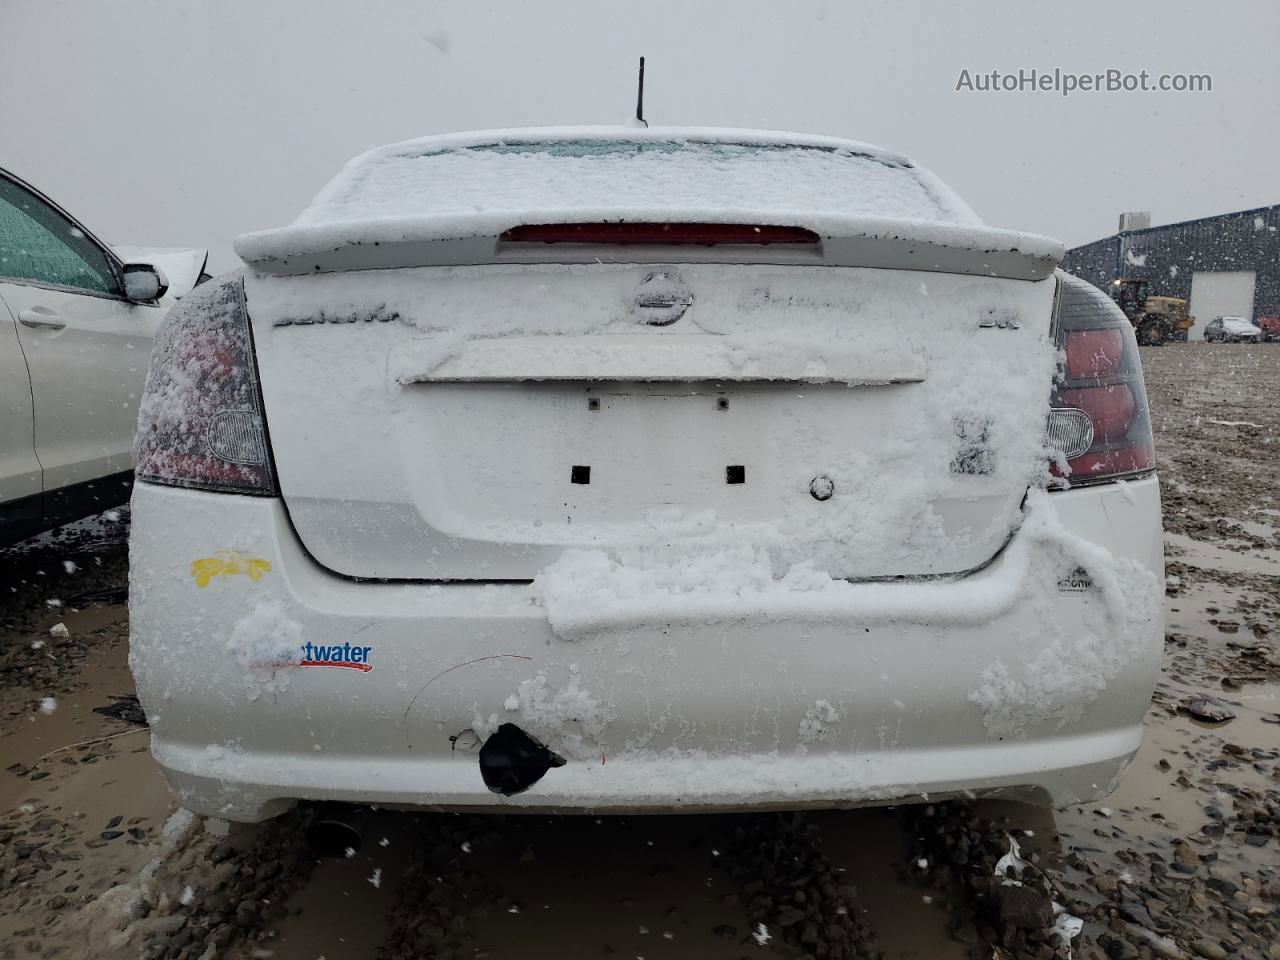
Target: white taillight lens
1099 421
1070 431
200 423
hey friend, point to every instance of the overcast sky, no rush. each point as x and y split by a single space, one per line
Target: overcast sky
174 122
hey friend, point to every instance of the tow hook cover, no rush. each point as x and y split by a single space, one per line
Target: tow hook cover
511 761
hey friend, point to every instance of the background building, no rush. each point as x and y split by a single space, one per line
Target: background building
1228 265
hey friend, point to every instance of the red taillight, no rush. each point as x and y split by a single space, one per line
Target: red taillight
1106 463
1098 420
662 234
1110 409
1093 353
200 421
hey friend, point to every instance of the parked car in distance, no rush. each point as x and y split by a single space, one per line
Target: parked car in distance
1232 330
643 469
1270 327
77 318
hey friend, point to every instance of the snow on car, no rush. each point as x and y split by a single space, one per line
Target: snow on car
1232 330
643 469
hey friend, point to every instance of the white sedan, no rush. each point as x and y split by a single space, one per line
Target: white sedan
77 319
663 469
1232 330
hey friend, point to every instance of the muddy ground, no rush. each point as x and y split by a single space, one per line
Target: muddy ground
1182 861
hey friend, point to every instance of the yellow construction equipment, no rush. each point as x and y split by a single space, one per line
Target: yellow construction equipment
1156 319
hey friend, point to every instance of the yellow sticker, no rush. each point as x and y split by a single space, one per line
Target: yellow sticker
226 563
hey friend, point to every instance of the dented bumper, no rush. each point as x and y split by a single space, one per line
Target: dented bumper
268 679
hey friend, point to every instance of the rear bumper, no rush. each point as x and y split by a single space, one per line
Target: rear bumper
1021 677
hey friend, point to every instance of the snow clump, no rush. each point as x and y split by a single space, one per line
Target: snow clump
263 643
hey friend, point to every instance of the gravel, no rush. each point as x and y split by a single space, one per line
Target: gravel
789 885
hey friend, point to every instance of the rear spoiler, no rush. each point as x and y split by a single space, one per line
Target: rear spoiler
478 239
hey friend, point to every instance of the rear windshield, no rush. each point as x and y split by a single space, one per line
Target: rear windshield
594 177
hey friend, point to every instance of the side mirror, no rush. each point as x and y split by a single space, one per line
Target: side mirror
144 283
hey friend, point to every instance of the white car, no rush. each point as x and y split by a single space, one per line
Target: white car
1232 330
619 469
76 323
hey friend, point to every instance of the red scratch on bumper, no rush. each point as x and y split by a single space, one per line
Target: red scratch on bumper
362 667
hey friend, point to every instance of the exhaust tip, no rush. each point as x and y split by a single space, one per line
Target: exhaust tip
332 836
511 761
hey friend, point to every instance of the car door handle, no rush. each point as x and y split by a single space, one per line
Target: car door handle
41 318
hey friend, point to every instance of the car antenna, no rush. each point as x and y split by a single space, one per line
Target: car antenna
640 120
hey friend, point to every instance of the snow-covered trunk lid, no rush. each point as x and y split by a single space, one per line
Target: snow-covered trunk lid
474 422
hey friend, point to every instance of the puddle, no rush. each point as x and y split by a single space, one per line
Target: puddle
89 618
67 811
627 887
38 662
1185 772
1188 746
1255 528
1198 553
871 845
320 913
100 531
590 886
36 734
